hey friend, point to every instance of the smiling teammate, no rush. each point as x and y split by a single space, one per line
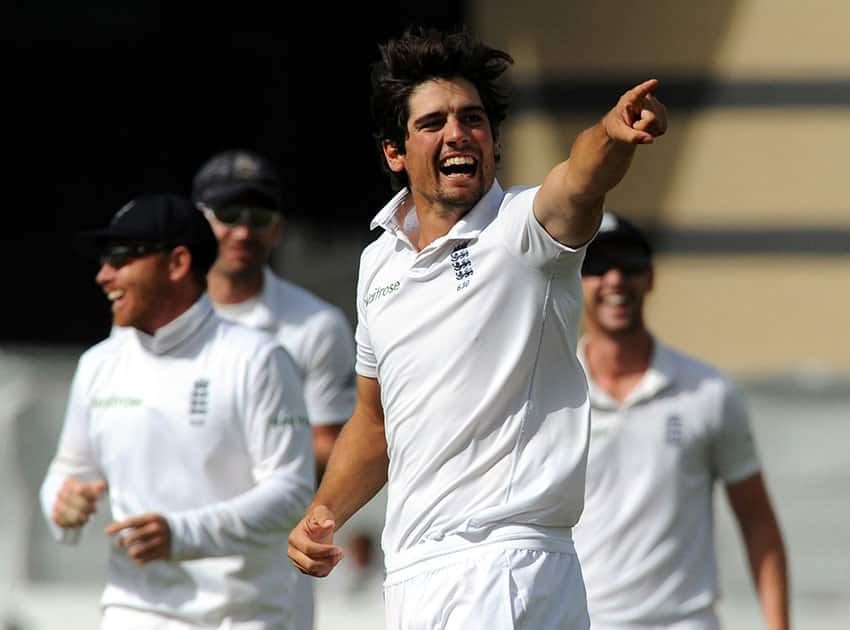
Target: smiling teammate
240 193
471 402
665 427
197 429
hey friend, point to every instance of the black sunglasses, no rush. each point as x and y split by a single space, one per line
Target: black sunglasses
600 265
259 218
116 256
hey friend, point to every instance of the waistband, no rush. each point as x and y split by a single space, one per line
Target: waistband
433 554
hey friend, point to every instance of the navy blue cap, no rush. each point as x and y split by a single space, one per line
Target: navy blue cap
615 227
237 176
603 251
163 218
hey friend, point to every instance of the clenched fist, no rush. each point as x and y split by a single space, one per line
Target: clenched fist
76 502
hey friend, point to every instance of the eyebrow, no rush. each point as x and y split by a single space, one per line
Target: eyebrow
426 118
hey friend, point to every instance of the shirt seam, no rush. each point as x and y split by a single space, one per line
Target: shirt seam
528 407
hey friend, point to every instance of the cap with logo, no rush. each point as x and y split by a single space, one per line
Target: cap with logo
617 233
238 176
165 219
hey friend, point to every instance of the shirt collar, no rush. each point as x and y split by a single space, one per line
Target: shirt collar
178 329
399 215
263 316
659 375
256 311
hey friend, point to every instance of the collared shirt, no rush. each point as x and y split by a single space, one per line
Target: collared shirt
317 336
645 539
473 342
203 422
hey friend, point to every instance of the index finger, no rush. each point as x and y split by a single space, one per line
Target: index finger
643 89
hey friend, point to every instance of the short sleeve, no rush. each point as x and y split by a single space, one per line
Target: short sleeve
366 363
733 448
329 383
525 237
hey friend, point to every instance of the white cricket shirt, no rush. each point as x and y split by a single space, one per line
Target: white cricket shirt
316 334
204 423
473 342
646 537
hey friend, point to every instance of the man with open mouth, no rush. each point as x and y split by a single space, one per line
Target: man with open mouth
194 426
472 405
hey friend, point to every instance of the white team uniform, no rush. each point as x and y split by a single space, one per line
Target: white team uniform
318 337
473 342
646 537
204 423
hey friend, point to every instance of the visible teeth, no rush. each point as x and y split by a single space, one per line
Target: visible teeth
615 300
459 161
115 294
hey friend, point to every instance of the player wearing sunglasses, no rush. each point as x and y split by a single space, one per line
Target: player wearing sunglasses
241 195
190 430
665 429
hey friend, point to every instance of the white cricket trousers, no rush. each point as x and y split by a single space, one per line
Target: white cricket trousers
494 589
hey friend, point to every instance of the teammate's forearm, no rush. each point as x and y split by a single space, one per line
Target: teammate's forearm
768 565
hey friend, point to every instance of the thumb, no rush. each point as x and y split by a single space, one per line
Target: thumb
322 524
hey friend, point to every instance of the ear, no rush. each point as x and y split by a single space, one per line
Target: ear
395 159
179 263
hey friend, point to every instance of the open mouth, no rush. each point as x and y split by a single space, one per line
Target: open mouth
615 299
459 166
114 295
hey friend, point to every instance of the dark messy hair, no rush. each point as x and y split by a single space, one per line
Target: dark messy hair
422 54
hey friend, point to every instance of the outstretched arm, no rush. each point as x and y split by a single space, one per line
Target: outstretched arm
356 471
765 549
569 203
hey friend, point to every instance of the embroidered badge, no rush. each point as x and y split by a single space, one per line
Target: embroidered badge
461 264
198 401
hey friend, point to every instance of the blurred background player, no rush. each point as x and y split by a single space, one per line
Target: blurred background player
664 428
240 193
197 429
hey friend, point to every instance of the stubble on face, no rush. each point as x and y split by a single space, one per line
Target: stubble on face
447 121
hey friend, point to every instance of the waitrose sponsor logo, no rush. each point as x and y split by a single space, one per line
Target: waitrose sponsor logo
382 292
115 401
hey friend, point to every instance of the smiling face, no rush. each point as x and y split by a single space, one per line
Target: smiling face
449 149
138 291
614 296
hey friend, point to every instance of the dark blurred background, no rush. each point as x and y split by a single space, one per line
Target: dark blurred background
110 100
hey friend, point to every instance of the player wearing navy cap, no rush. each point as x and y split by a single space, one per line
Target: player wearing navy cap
664 428
194 426
241 194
